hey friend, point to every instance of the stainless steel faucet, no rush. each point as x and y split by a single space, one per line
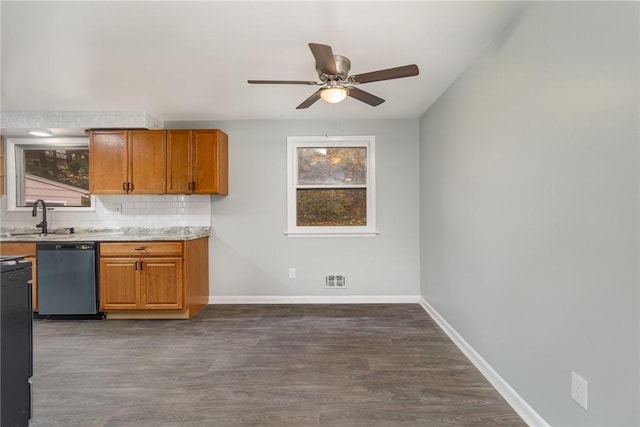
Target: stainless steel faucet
43 224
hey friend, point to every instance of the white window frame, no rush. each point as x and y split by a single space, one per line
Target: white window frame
13 149
295 142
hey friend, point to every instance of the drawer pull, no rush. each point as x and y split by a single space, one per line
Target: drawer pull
141 248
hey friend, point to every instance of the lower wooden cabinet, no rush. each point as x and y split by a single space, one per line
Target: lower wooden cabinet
28 249
141 283
162 279
154 279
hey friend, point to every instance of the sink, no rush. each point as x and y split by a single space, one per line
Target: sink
22 234
33 234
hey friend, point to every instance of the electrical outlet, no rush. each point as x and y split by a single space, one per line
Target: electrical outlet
579 389
292 273
116 207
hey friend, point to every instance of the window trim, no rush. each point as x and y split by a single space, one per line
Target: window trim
13 148
295 142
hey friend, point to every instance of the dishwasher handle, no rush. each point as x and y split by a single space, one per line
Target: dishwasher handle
61 246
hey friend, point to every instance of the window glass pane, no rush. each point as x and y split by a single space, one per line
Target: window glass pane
58 176
332 166
325 207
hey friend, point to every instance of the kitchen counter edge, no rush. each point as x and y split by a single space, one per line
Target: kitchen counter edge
107 237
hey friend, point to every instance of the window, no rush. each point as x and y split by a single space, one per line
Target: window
331 186
53 169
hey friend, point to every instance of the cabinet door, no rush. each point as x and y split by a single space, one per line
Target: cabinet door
147 161
179 167
161 283
210 161
108 162
118 283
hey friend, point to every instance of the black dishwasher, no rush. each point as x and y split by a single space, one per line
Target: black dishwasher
67 279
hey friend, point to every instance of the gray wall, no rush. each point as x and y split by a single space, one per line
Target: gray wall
529 208
250 255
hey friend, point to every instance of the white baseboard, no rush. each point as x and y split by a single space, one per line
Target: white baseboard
522 408
351 299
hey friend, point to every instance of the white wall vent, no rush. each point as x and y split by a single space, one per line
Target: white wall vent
335 281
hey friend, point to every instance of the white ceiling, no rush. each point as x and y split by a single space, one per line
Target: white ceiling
191 60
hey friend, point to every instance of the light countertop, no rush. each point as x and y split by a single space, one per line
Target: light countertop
105 235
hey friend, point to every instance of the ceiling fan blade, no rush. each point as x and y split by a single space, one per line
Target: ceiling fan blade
365 97
325 61
309 101
282 82
388 74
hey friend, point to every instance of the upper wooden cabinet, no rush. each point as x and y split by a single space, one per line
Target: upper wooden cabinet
127 161
158 162
197 162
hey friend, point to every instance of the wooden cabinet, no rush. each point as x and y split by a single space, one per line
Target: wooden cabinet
147 161
28 249
127 161
118 283
149 277
141 283
108 173
197 162
161 283
158 162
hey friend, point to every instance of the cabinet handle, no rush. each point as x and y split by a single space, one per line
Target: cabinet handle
136 267
142 248
124 186
130 186
141 264
189 185
193 185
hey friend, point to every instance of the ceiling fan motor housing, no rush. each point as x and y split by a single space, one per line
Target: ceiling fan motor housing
343 65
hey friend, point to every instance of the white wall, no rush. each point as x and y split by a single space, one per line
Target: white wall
529 209
250 255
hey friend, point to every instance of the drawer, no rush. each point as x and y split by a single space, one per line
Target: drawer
134 249
10 248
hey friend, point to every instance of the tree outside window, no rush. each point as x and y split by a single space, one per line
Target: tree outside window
331 185
53 169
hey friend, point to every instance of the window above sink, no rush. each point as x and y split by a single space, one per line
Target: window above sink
53 169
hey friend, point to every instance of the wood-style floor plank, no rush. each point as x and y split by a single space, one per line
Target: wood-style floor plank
373 365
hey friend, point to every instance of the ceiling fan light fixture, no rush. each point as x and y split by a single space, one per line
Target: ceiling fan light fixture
334 94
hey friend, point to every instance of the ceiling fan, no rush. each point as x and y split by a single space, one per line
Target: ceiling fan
337 84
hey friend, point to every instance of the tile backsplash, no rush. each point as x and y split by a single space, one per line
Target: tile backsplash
135 211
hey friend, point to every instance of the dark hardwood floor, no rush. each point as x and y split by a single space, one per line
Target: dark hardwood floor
261 365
